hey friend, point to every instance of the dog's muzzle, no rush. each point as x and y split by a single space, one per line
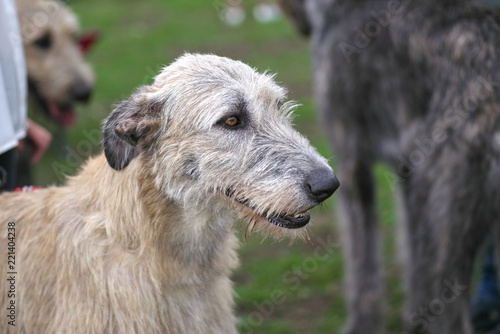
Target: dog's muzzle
319 185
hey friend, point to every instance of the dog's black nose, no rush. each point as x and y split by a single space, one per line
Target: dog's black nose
81 91
321 184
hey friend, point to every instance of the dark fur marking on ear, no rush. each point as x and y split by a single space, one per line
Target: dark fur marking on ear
118 152
130 124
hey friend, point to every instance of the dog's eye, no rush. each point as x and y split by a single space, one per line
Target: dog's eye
44 42
279 104
232 121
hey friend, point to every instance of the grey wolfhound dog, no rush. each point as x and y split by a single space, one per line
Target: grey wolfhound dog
413 84
141 240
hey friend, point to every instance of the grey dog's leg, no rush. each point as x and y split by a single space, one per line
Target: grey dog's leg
445 230
361 248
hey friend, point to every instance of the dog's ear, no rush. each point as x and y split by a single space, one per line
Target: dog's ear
129 127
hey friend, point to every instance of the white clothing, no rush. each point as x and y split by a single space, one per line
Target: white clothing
13 80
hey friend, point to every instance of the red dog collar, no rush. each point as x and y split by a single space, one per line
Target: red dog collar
26 189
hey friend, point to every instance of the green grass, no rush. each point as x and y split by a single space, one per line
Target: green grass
137 39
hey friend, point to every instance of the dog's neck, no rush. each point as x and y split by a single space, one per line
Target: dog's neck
140 219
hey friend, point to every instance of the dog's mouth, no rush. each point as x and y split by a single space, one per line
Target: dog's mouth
289 221
296 221
63 113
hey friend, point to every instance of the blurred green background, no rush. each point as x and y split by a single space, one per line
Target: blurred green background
280 287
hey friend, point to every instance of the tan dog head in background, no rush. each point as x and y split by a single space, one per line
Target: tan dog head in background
58 74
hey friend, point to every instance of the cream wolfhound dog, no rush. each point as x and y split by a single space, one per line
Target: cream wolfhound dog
141 240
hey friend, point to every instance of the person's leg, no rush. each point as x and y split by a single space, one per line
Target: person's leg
8 170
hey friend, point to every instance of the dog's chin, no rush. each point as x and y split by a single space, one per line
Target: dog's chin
275 225
63 113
